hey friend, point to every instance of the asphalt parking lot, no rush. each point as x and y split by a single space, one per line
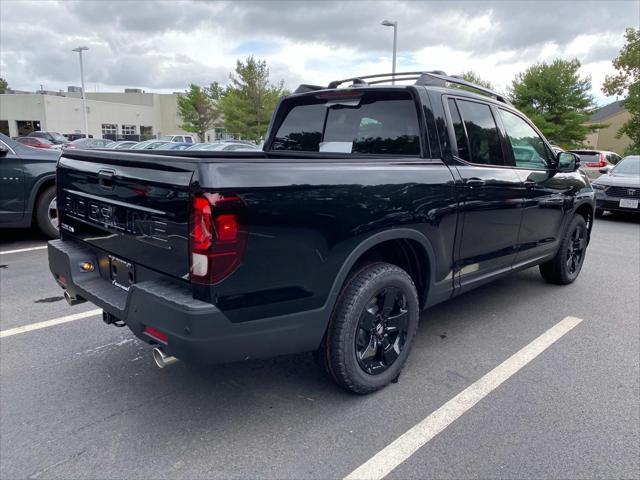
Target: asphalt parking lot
84 400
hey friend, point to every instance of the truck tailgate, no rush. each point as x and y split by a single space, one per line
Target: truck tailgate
133 206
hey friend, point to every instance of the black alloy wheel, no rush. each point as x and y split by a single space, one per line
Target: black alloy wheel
370 332
382 330
566 265
576 249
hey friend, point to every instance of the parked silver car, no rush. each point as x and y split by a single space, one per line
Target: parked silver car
593 161
224 146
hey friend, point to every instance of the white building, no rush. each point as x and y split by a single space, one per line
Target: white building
129 114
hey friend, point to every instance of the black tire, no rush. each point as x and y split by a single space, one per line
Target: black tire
565 267
362 359
44 220
599 212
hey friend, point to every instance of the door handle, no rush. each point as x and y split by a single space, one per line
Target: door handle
474 182
529 184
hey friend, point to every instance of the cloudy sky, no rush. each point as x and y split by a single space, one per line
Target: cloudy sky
164 45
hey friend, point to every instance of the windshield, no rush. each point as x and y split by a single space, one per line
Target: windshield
141 145
628 166
205 146
383 123
57 136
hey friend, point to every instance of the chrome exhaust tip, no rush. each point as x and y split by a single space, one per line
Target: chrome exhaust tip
162 359
73 300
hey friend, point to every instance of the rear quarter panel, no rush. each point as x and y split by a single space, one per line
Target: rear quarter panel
306 219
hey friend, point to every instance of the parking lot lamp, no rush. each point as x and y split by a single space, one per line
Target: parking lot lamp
84 100
388 23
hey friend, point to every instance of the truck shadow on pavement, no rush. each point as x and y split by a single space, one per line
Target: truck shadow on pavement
292 387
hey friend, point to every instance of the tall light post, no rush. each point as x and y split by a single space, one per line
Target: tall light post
388 23
84 100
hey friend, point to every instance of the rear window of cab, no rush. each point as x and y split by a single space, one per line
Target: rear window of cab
369 123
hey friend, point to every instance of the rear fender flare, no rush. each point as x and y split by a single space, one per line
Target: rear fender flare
372 241
35 191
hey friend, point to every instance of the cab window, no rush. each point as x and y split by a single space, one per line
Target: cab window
482 133
527 146
366 123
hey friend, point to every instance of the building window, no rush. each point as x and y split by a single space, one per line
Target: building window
109 129
128 129
25 127
146 132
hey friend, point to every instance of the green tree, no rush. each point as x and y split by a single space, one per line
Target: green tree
250 99
3 85
473 77
198 108
556 99
627 78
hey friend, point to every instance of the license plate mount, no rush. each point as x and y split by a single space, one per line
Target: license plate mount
122 273
628 203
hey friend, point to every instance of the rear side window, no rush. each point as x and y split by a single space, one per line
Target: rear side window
612 158
458 129
371 123
482 133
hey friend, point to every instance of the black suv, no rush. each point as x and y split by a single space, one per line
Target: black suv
368 204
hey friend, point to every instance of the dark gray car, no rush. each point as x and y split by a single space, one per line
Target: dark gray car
619 190
27 186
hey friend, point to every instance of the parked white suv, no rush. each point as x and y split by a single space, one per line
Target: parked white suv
179 138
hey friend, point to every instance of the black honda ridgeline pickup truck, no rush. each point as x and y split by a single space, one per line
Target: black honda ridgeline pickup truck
368 204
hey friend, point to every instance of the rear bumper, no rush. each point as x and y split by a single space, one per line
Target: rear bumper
197 331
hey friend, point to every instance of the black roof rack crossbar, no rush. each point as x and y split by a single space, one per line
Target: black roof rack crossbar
435 77
387 81
391 76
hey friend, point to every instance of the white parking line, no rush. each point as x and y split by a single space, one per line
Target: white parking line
382 463
48 323
20 250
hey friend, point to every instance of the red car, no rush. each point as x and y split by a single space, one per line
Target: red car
35 142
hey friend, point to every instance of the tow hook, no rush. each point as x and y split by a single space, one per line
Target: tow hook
72 299
162 359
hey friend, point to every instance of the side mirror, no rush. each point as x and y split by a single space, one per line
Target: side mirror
567 162
605 170
3 150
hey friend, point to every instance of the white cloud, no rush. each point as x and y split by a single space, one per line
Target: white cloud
163 46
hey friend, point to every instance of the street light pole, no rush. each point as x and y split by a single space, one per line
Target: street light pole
388 23
84 99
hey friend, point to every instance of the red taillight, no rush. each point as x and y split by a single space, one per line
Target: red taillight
218 236
156 334
602 161
201 224
226 228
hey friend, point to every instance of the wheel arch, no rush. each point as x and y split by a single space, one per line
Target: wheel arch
414 254
37 189
587 211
